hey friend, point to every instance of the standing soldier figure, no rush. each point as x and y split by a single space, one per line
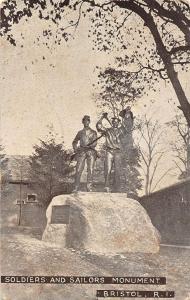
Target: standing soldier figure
85 152
114 136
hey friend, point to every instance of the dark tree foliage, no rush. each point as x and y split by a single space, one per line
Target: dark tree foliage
119 88
131 180
161 37
50 170
4 170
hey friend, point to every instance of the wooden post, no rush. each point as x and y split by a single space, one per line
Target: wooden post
20 198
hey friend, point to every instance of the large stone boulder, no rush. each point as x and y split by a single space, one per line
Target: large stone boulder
106 223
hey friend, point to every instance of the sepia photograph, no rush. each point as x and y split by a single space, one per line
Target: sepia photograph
95 149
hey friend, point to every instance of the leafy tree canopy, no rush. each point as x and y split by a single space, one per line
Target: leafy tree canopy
51 169
160 39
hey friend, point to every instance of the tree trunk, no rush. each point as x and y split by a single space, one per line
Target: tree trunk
172 74
147 182
162 51
185 105
188 152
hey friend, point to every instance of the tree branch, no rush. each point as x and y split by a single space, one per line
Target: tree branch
124 20
179 48
162 178
176 17
154 170
78 19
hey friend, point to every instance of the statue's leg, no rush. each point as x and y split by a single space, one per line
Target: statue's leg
90 170
117 173
108 167
79 169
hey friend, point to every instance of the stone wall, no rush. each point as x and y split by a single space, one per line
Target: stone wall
169 210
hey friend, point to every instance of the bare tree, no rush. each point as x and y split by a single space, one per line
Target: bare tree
151 151
4 170
181 145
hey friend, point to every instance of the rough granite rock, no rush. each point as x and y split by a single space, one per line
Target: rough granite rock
104 223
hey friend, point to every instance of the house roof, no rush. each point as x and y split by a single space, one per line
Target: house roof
184 182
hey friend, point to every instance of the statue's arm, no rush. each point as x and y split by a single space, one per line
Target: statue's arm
75 141
99 126
94 137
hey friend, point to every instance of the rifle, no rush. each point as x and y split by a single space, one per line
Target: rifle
105 115
87 147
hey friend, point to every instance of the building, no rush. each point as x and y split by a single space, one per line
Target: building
19 202
169 210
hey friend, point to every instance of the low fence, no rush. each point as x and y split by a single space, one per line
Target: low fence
169 210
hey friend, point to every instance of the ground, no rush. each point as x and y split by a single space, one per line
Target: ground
25 254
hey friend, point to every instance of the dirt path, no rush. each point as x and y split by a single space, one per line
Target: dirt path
23 255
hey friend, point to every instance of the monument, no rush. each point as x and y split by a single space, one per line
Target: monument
101 222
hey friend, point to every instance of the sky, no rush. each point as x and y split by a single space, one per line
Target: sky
34 94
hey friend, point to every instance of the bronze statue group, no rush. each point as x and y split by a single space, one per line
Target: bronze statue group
118 139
